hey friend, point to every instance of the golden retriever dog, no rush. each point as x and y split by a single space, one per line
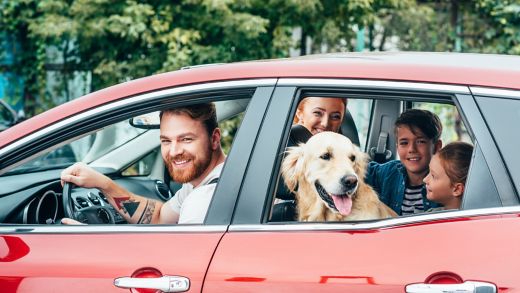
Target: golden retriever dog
327 176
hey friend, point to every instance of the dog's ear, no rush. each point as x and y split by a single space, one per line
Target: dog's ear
292 166
360 165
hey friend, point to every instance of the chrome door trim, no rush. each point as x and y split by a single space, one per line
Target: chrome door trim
377 224
372 84
109 229
139 98
485 91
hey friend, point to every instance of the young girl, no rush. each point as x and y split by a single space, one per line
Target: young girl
445 183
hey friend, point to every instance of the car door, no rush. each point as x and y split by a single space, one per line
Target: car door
470 250
105 258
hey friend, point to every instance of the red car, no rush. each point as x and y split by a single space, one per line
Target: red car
245 244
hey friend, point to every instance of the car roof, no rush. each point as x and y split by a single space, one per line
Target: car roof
486 70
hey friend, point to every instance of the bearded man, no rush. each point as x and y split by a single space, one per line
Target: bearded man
190 147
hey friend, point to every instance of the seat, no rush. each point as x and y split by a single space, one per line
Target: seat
348 128
285 210
299 134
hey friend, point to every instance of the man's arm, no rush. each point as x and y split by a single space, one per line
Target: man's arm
135 209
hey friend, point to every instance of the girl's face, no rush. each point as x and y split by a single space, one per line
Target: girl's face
321 114
439 186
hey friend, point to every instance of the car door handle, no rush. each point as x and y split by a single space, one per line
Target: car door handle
164 283
466 287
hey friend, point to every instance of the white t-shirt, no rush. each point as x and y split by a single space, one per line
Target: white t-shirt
192 203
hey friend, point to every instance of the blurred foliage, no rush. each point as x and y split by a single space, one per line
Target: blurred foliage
453 128
117 41
483 26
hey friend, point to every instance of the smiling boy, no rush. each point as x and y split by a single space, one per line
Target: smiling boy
399 183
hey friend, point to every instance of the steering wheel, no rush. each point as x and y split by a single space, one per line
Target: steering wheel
89 215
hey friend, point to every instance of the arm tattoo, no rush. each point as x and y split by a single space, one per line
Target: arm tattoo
146 216
126 205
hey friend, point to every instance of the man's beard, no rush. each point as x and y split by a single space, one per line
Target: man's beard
185 175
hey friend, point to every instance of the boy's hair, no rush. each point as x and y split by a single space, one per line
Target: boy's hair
455 158
426 121
206 113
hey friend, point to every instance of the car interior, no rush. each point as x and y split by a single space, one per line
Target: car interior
127 151
369 123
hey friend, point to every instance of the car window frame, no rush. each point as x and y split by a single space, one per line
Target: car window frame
261 197
259 95
484 138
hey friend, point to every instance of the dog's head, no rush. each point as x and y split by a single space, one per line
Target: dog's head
329 164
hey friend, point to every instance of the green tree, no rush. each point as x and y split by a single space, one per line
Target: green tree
116 41
482 26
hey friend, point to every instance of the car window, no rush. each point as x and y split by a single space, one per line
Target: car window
86 149
369 121
144 166
453 128
360 110
502 115
128 154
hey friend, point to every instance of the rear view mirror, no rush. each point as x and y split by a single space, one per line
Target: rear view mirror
146 121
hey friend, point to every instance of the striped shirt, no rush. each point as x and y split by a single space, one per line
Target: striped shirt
412 201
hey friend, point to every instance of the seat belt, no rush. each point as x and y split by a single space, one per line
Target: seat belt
380 153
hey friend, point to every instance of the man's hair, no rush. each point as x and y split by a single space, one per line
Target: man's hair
206 113
455 158
426 121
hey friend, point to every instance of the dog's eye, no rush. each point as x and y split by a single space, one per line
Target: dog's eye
352 158
325 156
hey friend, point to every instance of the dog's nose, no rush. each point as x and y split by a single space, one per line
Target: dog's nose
349 181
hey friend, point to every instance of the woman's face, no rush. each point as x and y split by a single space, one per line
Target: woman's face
321 114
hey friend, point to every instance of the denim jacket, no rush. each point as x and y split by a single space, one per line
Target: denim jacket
389 181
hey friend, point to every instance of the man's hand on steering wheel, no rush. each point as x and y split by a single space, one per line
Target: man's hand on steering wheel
84 176
80 174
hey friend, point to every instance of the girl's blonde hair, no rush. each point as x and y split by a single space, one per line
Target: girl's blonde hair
455 158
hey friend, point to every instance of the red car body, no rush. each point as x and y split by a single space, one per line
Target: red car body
466 246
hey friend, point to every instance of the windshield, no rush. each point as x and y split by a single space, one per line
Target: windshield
85 149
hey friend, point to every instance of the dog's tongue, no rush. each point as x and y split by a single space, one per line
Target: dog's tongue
343 204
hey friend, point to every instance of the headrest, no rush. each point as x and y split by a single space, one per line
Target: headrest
299 134
348 128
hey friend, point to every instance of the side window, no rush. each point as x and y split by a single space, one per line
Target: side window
360 110
453 128
129 152
310 188
502 116
88 148
144 166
